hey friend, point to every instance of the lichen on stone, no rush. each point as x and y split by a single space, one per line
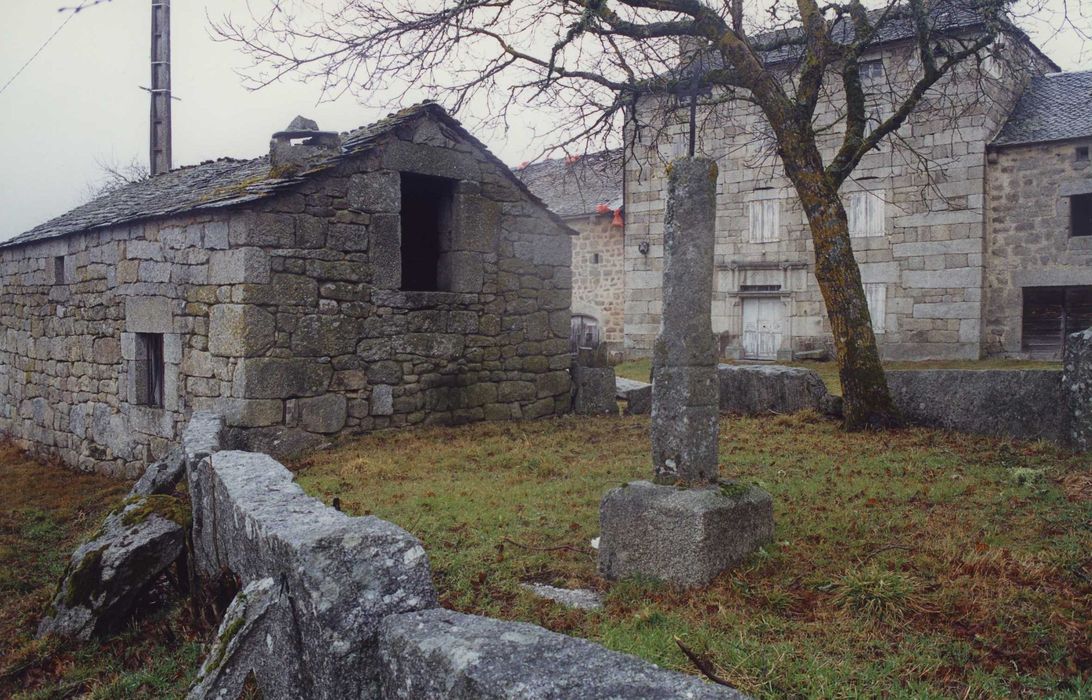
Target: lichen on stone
84 579
172 508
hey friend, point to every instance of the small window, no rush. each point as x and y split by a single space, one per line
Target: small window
595 258
1080 154
865 211
149 369
1080 214
765 220
426 227
58 270
876 295
870 70
584 333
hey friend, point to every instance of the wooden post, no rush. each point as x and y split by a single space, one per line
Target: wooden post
160 124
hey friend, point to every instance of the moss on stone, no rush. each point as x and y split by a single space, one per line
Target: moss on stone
172 508
734 489
84 578
224 640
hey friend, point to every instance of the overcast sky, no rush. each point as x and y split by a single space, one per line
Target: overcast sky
79 101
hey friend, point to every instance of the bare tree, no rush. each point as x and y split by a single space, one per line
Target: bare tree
597 62
115 175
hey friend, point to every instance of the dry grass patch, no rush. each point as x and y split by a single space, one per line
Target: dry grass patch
909 564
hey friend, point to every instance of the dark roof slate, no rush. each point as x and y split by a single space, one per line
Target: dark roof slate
1054 107
576 186
228 182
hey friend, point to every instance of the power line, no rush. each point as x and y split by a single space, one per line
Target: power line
42 47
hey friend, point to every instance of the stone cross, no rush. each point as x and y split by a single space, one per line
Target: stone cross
684 360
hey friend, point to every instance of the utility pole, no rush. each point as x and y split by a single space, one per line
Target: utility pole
160 125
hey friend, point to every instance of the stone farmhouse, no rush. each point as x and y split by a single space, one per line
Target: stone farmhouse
395 275
586 191
971 228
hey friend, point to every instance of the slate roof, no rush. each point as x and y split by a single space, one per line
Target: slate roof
1054 107
575 187
228 182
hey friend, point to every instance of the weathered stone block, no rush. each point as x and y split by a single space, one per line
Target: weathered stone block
239 265
637 395
685 536
251 413
594 391
382 400
379 192
1077 385
277 378
685 424
107 575
320 335
764 389
444 655
148 315
323 414
240 330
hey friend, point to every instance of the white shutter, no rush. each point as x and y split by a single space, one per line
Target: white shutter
865 211
876 294
765 220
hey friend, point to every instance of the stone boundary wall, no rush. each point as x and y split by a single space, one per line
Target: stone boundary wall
1021 404
352 599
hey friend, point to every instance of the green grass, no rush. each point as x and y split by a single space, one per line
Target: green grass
828 371
910 564
45 512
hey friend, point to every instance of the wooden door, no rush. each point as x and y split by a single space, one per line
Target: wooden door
763 328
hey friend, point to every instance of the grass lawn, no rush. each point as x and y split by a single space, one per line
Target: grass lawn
914 564
640 369
45 511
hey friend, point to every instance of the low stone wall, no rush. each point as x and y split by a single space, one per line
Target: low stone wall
352 599
1022 404
762 389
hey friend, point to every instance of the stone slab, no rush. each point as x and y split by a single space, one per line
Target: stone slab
684 536
753 390
594 391
441 654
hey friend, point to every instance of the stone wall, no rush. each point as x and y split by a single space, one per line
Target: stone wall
286 316
352 599
927 266
599 284
1021 404
1028 242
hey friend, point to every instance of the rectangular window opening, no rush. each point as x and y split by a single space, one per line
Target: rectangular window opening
1080 214
149 369
870 70
426 219
1080 154
58 270
765 220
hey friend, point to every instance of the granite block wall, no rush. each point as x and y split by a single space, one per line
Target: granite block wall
286 317
1029 243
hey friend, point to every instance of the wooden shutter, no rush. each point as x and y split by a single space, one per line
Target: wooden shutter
876 294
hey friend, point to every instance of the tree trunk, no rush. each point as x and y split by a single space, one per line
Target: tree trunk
866 400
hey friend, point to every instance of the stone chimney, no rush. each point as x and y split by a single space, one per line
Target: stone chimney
302 142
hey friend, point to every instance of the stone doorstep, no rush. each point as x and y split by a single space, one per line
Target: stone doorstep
682 536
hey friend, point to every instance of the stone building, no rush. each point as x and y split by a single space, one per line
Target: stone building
917 209
395 275
586 191
1039 227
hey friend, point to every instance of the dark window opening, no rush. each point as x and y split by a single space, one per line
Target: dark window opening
1051 314
58 269
760 287
426 223
1081 153
149 369
584 333
595 258
870 70
1080 215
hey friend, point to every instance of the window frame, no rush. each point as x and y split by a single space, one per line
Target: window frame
1083 201
866 72
880 215
58 270
767 206
150 368
444 227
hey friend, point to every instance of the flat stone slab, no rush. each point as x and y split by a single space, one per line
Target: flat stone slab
440 654
594 390
637 395
684 536
753 390
579 598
